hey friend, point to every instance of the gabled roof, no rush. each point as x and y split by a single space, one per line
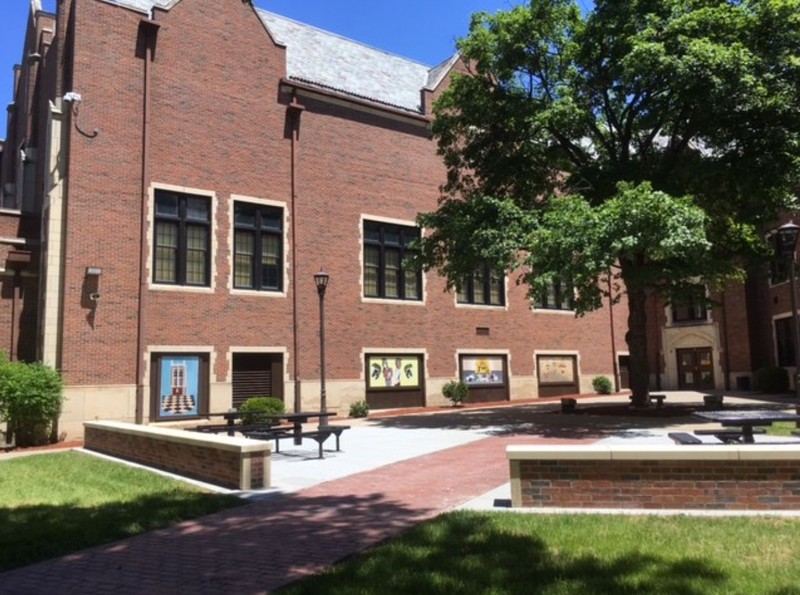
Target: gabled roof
331 62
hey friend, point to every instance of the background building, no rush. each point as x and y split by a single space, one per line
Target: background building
176 171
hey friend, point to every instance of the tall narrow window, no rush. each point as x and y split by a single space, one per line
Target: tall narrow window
784 341
559 295
181 254
484 287
257 247
385 273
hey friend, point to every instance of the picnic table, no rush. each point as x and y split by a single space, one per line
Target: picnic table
297 419
747 419
268 428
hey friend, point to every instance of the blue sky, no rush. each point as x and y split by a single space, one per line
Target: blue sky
423 30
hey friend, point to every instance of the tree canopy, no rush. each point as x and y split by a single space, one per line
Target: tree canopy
654 138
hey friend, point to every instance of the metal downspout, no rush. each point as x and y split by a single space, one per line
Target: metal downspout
148 30
293 111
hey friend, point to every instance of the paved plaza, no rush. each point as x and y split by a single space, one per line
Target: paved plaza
393 471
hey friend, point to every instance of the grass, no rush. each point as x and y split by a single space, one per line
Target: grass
509 554
781 428
55 504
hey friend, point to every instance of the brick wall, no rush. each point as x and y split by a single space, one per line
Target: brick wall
752 482
213 459
219 124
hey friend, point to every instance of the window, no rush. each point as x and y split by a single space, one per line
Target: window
484 287
559 295
385 274
182 239
691 307
784 341
779 270
257 247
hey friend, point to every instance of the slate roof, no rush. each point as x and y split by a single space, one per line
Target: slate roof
333 62
329 61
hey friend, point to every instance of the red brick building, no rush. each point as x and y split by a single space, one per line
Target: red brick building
176 171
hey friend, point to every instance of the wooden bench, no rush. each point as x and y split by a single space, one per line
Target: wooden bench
684 438
729 435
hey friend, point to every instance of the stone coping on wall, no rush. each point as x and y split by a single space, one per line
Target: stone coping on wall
220 442
763 476
228 461
706 452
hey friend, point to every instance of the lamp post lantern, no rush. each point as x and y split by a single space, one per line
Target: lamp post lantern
786 245
321 281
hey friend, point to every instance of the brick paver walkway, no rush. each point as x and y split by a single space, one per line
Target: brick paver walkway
262 546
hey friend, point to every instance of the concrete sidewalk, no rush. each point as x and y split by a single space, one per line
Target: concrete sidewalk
392 473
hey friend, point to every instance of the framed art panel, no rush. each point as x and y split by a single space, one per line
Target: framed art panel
179 384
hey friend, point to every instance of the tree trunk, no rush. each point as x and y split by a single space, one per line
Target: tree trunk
636 337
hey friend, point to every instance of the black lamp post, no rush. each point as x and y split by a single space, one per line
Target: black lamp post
786 245
321 281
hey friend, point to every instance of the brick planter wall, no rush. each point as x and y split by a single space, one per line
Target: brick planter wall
680 477
235 463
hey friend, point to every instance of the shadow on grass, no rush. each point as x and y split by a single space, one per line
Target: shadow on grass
467 553
33 533
248 549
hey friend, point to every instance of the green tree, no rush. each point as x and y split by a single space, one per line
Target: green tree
646 142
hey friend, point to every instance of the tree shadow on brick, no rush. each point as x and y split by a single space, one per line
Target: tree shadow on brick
250 548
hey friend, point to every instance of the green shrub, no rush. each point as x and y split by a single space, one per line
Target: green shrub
772 379
31 396
602 385
456 391
261 410
359 409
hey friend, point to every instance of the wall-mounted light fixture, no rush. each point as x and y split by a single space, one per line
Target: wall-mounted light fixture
93 278
74 99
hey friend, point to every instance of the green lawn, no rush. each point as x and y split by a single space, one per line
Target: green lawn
58 503
54 504
510 554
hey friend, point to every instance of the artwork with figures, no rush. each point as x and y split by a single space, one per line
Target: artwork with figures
393 371
482 370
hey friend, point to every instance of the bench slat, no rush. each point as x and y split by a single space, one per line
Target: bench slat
684 438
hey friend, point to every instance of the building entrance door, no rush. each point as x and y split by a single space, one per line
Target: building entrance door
695 369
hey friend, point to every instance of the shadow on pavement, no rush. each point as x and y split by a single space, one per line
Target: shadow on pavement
592 419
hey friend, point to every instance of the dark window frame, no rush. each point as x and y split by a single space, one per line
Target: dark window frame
476 290
691 310
778 270
561 289
259 230
381 236
784 341
184 223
